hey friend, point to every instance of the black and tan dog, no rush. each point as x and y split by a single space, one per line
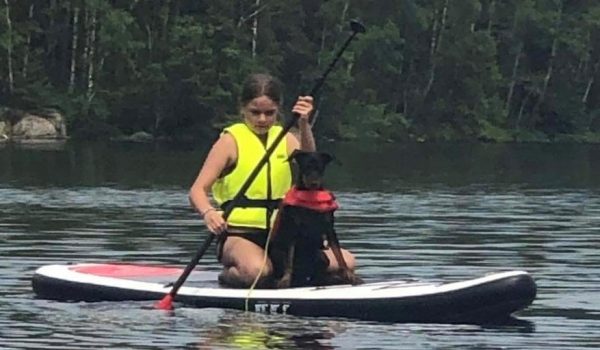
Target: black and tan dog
305 227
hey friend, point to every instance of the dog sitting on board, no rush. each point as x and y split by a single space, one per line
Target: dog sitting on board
304 228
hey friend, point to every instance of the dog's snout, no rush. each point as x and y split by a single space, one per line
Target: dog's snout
312 181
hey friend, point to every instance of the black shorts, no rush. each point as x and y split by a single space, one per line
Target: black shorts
254 235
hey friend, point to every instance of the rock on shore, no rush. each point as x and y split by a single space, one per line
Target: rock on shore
20 126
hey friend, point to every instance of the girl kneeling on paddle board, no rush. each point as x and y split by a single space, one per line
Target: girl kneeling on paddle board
242 238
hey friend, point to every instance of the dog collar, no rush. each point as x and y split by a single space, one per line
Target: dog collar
318 200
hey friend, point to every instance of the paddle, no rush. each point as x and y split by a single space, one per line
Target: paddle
166 303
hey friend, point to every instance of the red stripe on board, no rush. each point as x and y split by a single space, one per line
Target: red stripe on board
124 270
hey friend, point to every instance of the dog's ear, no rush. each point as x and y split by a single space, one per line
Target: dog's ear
326 158
297 155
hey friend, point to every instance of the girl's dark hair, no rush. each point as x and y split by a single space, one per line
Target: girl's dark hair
257 85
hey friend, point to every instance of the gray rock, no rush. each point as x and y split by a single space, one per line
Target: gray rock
34 127
4 130
56 118
140 136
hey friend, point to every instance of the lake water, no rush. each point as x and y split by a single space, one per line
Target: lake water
408 211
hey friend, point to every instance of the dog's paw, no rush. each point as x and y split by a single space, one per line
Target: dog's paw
339 277
355 280
284 282
351 278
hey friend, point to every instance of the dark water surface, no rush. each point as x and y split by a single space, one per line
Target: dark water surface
430 212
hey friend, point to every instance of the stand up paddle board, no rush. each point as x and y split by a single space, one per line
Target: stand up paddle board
490 298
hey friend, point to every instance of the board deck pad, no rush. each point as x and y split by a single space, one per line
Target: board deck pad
148 273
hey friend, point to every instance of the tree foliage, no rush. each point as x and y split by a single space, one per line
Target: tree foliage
495 70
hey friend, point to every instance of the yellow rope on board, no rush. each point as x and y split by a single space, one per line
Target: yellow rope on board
262 268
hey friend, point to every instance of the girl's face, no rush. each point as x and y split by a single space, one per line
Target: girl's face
260 114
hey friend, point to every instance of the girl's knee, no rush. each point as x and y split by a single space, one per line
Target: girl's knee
251 269
348 259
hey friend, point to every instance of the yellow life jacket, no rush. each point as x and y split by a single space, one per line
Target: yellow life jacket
269 186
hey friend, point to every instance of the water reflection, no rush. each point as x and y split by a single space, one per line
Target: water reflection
511 325
252 331
360 166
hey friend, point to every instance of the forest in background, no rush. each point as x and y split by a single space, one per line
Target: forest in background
490 70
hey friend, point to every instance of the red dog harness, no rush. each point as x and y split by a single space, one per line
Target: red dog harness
318 200
321 201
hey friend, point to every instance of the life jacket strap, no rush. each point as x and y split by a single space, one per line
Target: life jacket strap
245 202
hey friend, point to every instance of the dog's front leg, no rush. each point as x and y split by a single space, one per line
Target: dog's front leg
334 245
286 279
345 273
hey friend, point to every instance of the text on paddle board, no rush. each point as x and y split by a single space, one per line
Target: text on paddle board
269 307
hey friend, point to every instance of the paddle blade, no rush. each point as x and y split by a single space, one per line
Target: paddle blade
165 303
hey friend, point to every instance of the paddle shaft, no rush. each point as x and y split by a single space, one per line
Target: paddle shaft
246 185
